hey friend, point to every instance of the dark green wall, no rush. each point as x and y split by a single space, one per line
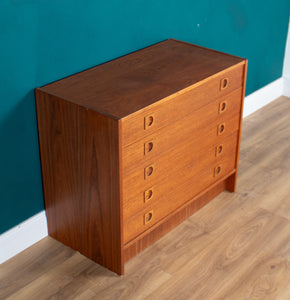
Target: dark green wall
45 40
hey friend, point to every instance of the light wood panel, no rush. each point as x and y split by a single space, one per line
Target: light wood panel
236 247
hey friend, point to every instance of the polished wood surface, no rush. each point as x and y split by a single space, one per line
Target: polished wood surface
195 171
236 247
133 82
182 103
126 143
195 125
178 165
76 146
234 178
174 207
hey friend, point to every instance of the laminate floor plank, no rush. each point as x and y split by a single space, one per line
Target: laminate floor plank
264 278
26 267
236 247
207 271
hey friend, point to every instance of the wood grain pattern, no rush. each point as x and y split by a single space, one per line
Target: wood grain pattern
177 197
170 221
233 183
137 81
177 101
181 104
195 125
176 166
194 169
76 146
235 247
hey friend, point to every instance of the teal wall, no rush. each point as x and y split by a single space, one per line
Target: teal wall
45 40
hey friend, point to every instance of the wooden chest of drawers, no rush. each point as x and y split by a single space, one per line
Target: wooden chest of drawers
131 148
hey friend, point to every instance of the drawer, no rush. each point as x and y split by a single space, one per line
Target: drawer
166 138
171 172
178 196
162 113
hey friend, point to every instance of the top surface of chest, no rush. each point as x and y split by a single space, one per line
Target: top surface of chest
130 83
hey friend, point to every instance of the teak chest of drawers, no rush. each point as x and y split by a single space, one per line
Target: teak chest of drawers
131 148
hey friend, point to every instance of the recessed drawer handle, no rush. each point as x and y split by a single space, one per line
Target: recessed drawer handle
148 217
148 171
149 121
148 194
223 107
221 128
148 147
217 170
218 150
224 83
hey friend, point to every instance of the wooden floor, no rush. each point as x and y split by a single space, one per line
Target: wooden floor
236 247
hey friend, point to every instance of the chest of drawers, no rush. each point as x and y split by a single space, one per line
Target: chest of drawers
131 148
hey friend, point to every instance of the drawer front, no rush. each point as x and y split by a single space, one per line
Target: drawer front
169 202
166 138
143 123
172 171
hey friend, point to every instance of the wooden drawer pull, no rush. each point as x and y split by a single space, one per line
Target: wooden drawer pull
224 83
218 150
221 128
217 170
148 171
148 147
223 107
148 121
148 217
148 195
